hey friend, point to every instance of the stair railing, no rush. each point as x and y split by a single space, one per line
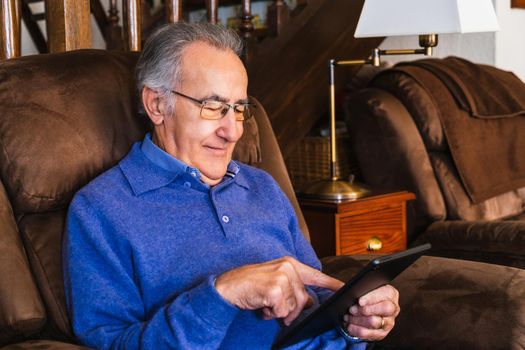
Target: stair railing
69 26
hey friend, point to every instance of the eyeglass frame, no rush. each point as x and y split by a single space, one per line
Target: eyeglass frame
222 114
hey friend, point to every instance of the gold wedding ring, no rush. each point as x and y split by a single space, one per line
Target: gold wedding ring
382 323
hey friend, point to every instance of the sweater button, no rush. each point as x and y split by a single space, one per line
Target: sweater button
187 184
225 219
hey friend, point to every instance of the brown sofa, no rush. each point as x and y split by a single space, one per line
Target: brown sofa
412 129
64 118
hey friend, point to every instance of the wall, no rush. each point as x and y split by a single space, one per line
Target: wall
510 40
504 49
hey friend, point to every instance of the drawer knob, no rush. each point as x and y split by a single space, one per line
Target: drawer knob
374 244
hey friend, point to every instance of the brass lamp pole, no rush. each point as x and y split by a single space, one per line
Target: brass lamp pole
340 189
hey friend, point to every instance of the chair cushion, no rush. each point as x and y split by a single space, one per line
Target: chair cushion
76 118
21 309
42 235
64 119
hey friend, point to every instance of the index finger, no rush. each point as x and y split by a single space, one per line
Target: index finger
313 277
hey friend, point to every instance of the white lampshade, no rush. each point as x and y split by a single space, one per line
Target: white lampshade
414 17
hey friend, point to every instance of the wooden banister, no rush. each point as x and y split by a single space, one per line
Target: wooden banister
10 35
68 23
278 14
173 10
246 27
132 27
113 32
212 9
247 30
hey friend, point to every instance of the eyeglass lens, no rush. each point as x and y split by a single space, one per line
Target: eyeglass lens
217 110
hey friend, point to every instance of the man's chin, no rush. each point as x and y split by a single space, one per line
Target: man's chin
213 177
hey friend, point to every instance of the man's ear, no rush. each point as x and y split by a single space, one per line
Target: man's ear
154 105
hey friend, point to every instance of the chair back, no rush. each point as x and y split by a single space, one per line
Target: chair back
64 119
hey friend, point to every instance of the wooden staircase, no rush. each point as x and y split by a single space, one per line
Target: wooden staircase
289 73
287 62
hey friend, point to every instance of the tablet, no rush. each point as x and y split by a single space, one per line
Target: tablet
329 315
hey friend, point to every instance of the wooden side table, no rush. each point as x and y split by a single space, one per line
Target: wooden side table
371 225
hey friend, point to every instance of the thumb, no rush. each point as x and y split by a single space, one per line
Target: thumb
313 277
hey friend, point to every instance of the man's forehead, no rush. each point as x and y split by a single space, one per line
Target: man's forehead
207 64
200 51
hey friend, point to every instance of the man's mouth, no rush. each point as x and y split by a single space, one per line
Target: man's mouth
217 149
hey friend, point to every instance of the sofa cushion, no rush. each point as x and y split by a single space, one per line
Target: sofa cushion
21 309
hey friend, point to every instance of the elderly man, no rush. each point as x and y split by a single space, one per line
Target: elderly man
178 246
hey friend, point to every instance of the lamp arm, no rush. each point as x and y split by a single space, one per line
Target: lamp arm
427 42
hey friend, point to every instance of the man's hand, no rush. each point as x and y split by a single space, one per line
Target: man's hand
373 317
276 287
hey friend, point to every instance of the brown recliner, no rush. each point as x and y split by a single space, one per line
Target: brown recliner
65 118
405 137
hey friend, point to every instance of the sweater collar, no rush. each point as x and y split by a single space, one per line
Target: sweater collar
145 175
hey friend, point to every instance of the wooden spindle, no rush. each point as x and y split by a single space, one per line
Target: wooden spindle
278 14
10 35
113 32
68 24
132 24
173 10
247 31
145 12
212 9
246 28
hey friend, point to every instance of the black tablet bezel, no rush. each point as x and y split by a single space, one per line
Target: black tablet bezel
329 315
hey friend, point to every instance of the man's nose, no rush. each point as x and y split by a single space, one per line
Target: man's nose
230 128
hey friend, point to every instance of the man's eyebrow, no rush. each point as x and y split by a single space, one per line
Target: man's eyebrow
224 99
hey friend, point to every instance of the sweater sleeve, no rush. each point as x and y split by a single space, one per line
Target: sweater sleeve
105 302
306 254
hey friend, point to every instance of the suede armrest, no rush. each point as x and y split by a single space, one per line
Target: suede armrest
501 242
452 304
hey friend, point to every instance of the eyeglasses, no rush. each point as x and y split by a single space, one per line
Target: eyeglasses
215 110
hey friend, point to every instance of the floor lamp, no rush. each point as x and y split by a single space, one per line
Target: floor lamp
381 18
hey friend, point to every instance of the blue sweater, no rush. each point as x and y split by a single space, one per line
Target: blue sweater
145 242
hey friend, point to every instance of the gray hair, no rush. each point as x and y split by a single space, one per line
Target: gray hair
159 64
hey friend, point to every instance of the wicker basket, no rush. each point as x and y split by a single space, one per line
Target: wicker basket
310 160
